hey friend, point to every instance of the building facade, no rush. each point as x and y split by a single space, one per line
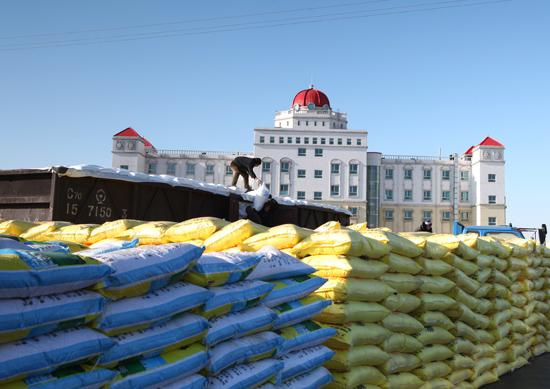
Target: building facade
310 154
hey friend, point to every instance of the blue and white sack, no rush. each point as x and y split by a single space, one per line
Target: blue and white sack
302 361
137 313
45 353
239 324
297 311
71 377
315 379
175 333
292 289
195 381
109 246
303 335
276 265
34 316
242 350
247 375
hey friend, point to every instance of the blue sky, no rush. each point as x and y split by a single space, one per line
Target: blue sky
417 81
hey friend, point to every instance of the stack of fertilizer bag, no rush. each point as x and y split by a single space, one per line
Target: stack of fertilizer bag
260 309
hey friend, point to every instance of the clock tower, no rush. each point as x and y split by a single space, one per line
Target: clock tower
129 150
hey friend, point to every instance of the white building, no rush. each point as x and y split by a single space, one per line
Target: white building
310 154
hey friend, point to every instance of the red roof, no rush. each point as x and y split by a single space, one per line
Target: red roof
130 132
146 142
311 96
490 142
469 151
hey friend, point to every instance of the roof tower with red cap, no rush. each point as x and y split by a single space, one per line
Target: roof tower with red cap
488 141
311 96
131 133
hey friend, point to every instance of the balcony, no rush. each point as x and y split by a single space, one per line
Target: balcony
197 154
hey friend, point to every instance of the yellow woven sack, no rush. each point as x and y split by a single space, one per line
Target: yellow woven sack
352 335
462 297
345 267
463 346
468 267
402 343
465 314
401 264
357 356
467 247
15 227
359 227
464 282
457 376
465 331
356 377
375 248
436 319
434 353
112 229
435 284
353 311
77 233
198 228
148 233
402 302
483 365
399 363
403 381
485 337
232 235
403 323
438 383
329 226
433 370
36 233
435 335
281 237
351 289
402 283
435 302
340 242
465 385
434 267
403 246
484 290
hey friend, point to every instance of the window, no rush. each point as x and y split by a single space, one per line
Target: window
353 190
283 190
464 196
289 139
298 122
314 141
262 139
427 215
348 141
281 139
492 199
330 140
266 167
190 168
323 124
301 173
427 196
335 168
445 195
301 152
408 195
306 140
408 214
171 168
271 139
315 123
339 141
427 174
307 122
125 167
389 174
285 167
318 174
388 214
209 170
358 141
323 141
353 211
152 168
446 216
301 195
353 168
317 195
465 215
408 174
445 174
335 190
268 186
388 194
228 170
492 178
298 140
492 221
318 152
464 175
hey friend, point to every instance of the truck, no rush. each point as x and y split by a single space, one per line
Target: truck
538 234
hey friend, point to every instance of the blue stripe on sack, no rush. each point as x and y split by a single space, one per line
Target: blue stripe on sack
215 336
305 365
271 368
307 339
155 342
98 376
159 268
61 312
294 290
153 313
300 314
168 372
45 361
223 297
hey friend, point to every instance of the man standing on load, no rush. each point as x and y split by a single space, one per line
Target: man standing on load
244 166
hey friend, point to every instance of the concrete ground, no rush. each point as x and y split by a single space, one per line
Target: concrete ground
535 375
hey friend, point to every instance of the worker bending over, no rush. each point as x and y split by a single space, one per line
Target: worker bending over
244 166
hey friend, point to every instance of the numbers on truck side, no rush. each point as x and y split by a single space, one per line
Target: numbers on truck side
99 211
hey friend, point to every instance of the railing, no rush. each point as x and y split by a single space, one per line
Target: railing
413 157
200 154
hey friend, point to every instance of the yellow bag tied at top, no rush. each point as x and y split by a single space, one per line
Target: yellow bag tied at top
402 343
200 228
434 267
403 246
401 322
462 297
112 229
432 370
355 334
463 346
36 233
467 247
340 242
436 319
437 383
15 227
403 381
468 267
402 283
232 235
434 353
346 267
435 302
357 356
281 237
149 233
401 264
329 226
435 335
351 289
484 290
77 233
438 245
458 376
465 385
464 282
399 363
483 365
402 302
435 284
359 227
459 362
465 314
465 331
357 376
485 337
353 311
483 275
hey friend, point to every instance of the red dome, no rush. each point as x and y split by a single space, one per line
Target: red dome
311 96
